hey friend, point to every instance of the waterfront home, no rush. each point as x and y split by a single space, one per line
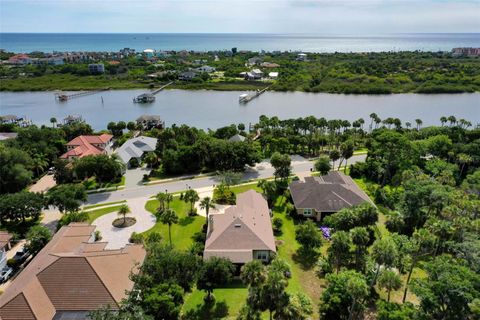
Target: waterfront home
254 61
237 138
72 119
255 74
206 69
9 118
71 276
135 148
187 75
273 75
148 122
317 197
302 57
20 59
96 68
269 65
5 245
8 135
243 233
92 145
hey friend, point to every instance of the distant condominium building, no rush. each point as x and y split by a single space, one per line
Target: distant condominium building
471 52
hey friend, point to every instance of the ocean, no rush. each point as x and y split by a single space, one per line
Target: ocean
49 42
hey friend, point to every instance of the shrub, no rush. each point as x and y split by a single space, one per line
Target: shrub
277 225
136 238
97 235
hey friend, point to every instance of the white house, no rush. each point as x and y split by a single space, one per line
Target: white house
135 148
302 57
206 69
255 74
273 75
5 238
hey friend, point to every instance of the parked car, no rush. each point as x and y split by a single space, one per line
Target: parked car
21 255
5 274
51 171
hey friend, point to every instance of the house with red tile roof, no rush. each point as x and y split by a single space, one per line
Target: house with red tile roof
71 276
83 146
20 59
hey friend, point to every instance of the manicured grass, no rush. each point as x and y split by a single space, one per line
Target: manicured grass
92 215
303 277
245 187
91 184
229 301
182 232
103 204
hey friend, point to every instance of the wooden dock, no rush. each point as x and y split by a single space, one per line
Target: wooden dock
246 98
66 97
150 96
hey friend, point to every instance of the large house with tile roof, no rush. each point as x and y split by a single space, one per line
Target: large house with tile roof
317 197
92 145
71 276
243 233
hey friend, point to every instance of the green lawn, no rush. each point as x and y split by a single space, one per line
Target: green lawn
94 214
229 301
183 231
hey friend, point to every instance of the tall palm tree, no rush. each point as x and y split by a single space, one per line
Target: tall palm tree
169 217
191 196
162 198
443 120
452 120
168 199
206 204
53 121
419 123
123 210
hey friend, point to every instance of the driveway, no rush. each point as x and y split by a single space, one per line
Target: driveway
43 184
118 237
134 177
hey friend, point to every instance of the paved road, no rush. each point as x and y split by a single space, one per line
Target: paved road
260 171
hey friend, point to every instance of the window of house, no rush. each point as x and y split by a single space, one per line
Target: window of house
307 212
262 256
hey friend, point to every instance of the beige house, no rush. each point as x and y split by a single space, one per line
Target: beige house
70 277
243 233
317 197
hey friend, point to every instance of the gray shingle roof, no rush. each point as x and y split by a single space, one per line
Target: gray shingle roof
135 147
329 193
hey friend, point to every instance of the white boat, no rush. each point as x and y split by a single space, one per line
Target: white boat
242 97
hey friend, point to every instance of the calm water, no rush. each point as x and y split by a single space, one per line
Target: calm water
48 42
212 109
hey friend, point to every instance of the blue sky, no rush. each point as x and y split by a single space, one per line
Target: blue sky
263 16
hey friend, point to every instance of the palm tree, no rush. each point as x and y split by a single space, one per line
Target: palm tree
123 210
191 196
168 217
39 163
452 120
408 125
389 280
168 199
443 120
151 159
419 123
53 121
206 204
253 273
373 117
162 198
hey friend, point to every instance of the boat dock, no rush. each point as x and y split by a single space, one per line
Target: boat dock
246 98
150 96
66 97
